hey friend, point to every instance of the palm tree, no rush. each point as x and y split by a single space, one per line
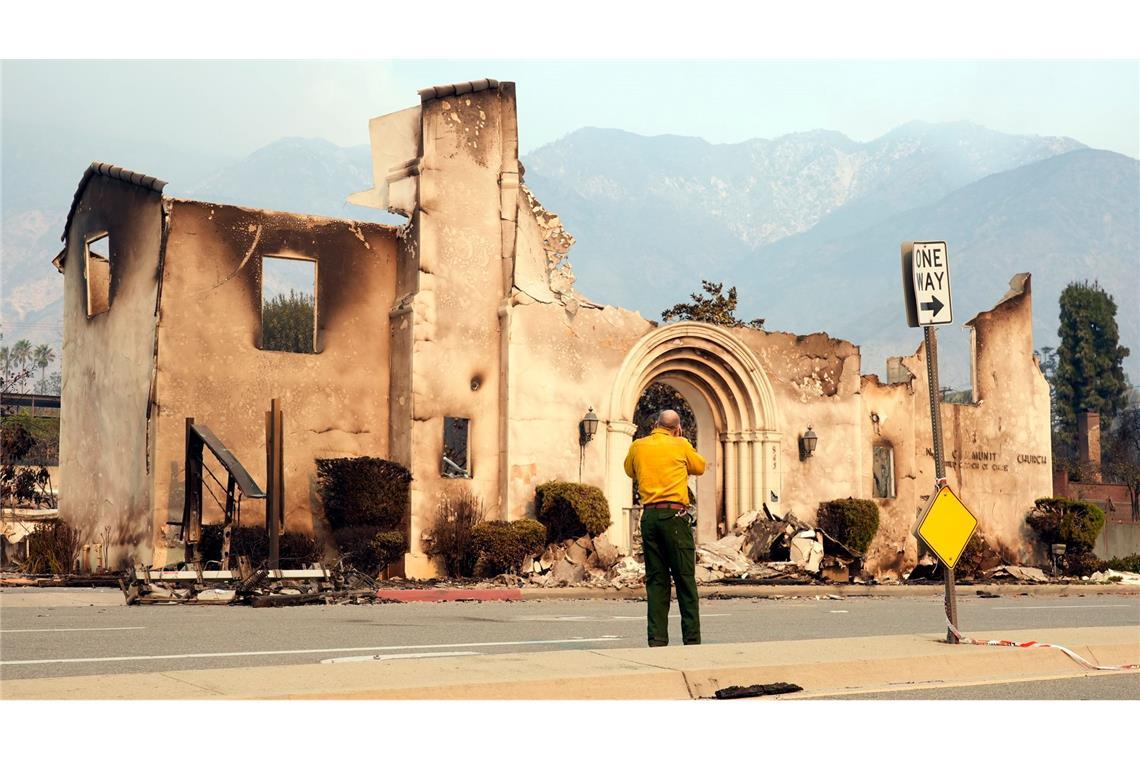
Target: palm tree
5 359
21 355
43 355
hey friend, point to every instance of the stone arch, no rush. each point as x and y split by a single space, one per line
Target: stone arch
709 362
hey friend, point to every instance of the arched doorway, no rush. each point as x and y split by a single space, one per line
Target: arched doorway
738 434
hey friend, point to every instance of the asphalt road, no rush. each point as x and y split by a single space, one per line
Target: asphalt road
1110 686
42 635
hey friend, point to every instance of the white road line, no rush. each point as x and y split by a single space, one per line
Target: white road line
381 657
63 630
1065 607
838 612
209 655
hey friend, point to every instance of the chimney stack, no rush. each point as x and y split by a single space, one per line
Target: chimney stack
1088 442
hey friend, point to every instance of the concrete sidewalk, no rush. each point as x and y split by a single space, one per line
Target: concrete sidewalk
821 667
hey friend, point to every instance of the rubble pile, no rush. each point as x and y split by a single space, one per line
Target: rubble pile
765 547
585 561
257 588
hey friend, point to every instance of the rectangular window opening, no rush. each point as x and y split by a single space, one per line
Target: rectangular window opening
97 267
456 447
288 305
883 464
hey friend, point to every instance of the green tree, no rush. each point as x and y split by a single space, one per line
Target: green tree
287 323
1090 360
43 356
21 356
713 306
654 399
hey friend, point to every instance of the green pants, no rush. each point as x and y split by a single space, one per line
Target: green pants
670 552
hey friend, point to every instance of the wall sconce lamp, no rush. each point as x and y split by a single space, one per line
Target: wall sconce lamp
587 427
808 442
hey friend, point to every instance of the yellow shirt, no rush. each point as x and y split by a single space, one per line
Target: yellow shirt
662 463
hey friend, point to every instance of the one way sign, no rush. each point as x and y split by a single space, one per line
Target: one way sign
926 283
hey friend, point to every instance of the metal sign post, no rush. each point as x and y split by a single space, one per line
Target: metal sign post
930 341
926 293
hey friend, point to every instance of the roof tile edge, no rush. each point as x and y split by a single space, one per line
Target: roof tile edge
460 88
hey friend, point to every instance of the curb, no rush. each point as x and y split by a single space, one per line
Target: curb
848 591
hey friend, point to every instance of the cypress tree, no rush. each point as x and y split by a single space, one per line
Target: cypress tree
1090 361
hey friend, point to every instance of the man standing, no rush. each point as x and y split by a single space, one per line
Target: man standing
662 462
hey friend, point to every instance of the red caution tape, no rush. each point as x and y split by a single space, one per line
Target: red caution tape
960 639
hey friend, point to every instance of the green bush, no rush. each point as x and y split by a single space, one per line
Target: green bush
1129 564
455 521
364 491
571 510
503 546
1063 521
852 522
367 549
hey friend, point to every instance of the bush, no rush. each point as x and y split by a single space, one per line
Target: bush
364 491
388 546
52 548
571 510
1129 564
455 520
851 522
295 549
1081 563
502 546
1063 521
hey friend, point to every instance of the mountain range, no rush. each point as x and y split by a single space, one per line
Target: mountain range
806 226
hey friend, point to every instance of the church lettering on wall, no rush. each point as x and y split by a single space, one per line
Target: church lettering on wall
992 461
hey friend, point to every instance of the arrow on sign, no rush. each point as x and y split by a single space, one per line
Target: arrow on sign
933 305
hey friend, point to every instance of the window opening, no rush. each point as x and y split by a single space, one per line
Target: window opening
97 255
288 305
883 464
456 447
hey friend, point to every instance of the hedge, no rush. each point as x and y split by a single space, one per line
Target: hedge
364 491
852 522
1064 521
503 546
571 510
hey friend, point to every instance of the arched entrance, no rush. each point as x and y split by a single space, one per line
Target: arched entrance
737 431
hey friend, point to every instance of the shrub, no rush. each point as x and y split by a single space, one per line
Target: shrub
571 510
978 555
852 522
1129 564
1081 563
1063 521
299 549
364 491
388 546
295 549
52 548
502 546
455 520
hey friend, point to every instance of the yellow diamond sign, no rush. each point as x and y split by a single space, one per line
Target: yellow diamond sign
946 525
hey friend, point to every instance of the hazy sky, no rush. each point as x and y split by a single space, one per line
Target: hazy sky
233 107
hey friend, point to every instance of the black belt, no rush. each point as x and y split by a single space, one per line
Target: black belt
665 505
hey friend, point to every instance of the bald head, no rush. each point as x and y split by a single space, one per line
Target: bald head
668 419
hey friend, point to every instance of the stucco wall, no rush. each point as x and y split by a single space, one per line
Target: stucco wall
106 479
453 263
210 367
